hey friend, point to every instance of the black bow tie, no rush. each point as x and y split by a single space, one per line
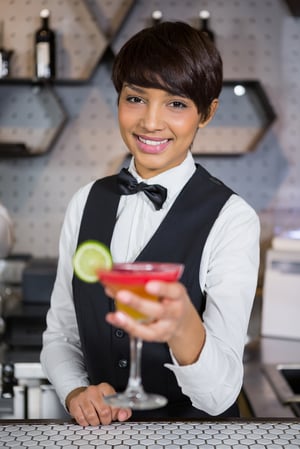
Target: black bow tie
128 186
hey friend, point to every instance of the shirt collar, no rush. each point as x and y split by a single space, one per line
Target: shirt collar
174 179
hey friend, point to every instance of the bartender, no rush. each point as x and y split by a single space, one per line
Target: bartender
168 79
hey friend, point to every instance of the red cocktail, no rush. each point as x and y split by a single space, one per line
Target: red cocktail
134 276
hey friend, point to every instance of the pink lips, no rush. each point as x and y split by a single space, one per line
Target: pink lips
151 145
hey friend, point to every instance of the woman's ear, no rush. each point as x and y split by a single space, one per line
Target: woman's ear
212 110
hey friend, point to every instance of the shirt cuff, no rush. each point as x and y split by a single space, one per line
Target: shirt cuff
211 370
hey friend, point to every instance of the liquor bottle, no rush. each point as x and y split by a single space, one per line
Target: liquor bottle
8 380
156 17
4 55
204 16
45 49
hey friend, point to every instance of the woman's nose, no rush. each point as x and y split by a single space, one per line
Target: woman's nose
151 119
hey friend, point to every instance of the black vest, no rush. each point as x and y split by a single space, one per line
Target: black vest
180 238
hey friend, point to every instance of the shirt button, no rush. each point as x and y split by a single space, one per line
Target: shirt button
119 333
123 363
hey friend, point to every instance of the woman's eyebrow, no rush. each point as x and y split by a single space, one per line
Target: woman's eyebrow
141 90
134 87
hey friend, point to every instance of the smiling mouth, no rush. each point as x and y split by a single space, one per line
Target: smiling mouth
152 146
152 142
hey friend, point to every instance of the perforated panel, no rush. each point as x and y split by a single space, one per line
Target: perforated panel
258 39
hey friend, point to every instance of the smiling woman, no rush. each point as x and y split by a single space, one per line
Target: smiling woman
168 79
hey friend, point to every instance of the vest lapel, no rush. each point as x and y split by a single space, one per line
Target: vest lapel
102 205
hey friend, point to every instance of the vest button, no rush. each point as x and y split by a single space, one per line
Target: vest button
123 363
119 333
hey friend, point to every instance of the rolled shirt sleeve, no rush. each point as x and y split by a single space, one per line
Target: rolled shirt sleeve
61 356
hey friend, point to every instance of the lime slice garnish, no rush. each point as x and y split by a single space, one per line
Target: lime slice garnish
89 257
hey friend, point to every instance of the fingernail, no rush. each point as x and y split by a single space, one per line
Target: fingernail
123 415
124 297
121 318
153 287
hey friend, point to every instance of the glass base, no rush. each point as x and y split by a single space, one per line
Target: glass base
136 401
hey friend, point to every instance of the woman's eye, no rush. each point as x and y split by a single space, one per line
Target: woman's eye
134 99
178 104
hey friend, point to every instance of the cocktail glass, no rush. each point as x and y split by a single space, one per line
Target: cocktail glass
133 277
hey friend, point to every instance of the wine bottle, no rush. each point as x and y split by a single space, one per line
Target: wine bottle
4 55
45 66
156 17
204 16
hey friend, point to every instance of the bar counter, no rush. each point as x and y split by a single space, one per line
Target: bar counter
209 434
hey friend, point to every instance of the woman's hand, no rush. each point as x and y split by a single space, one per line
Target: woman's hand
173 319
87 407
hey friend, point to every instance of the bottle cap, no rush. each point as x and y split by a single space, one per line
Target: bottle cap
204 14
45 13
157 14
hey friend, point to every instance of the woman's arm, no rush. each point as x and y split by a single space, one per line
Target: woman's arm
61 355
228 275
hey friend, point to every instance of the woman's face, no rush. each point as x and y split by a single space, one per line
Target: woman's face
157 127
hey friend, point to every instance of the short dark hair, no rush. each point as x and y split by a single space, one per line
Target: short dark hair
172 56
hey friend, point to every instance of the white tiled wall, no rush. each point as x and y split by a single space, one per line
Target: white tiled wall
258 40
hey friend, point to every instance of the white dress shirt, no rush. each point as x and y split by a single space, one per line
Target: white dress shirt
228 275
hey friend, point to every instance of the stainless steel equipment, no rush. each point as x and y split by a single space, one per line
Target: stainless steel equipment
26 394
26 285
285 380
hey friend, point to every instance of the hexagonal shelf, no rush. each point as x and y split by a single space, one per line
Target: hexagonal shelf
31 119
241 121
80 43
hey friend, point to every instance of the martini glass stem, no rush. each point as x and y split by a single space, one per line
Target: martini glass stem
134 386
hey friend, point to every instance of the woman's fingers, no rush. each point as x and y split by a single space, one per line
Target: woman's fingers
165 316
88 406
168 294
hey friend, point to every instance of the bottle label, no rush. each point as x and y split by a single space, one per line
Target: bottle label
43 60
3 66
